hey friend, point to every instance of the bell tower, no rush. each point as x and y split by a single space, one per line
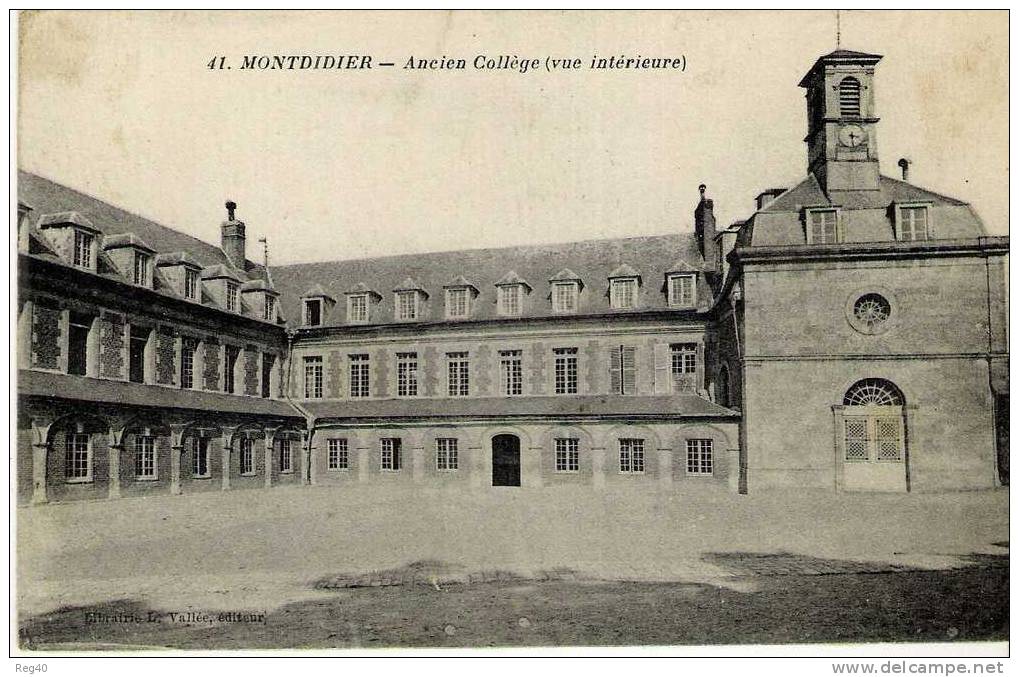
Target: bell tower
841 121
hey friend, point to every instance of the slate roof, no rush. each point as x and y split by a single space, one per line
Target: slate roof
601 406
45 384
808 193
593 261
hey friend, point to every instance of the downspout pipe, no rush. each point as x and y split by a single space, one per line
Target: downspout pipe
309 419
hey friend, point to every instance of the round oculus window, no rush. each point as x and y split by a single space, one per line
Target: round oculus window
872 310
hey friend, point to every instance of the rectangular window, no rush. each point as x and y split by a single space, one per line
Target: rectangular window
406 374
270 309
136 353
200 457
623 293
683 365
78 458
77 343
339 454
564 297
457 303
446 454
188 346
511 372
822 226
357 308
190 284
565 371
567 454
698 457
286 456
268 362
392 454
509 299
359 368
913 223
247 456
631 456
145 457
232 353
83 249
682 291
406 305
141 269
623 370
312 377
231 296
458 371
313 312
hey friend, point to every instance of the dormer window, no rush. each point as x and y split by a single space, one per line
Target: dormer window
458 303
406 305
564 297
823 226
313 312
357 308
142 267
683 290
912 222
191 284
510 296
623 293
270 309
83 243
231 296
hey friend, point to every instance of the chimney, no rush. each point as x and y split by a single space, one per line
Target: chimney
704 229
233 237
904 164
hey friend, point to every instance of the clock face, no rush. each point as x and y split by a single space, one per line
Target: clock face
852 136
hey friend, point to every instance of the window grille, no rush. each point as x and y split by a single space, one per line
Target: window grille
406 374
231 296
83 249
509 299
270 309
339 454
872 310
313 377
511 372
78 457
565 371
684 363
200 457
188 346
631 455
359 373
682 291
567 454
446 454
247 456
699 457
887 438
564 297
873 392
141 269
286 455
458 374
849 97
357 308
136 354
145 457
823 226
391 454
406 305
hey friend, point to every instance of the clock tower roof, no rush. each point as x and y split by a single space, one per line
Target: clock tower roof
839 57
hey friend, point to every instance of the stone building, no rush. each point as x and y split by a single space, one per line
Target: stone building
848 335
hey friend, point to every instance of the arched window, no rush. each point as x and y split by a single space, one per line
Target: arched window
873 392
849 97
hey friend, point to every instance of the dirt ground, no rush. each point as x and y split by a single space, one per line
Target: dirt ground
319 567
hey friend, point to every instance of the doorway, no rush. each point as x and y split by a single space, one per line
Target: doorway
505 461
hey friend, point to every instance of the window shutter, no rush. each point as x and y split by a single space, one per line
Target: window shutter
663 369
629 370
615 371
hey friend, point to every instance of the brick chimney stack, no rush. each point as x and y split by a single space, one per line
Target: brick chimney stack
233 237
704 229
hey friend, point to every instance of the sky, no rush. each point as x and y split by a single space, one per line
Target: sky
337 164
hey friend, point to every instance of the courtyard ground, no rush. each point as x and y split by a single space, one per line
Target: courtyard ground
317 566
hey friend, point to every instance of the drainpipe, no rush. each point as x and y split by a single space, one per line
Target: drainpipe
309 419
